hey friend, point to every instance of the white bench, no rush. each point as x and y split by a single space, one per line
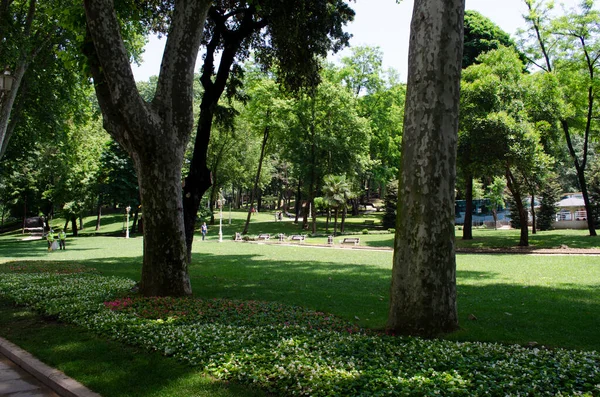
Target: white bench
351 240
264 236
298 237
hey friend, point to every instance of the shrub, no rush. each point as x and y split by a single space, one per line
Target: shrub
365 231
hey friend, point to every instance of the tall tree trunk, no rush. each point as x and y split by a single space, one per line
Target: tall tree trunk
211 204
154 134
423 290
255 189
515 190
468 225
198 180
298 204
74 226
335 223
343 223
134 224
98 213
533 227
24 215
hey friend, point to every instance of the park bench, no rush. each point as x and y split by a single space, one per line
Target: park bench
264 236
298 237
351 240
369 222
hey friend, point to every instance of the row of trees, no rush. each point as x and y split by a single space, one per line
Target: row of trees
534 126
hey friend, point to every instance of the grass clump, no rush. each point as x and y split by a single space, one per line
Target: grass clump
291 351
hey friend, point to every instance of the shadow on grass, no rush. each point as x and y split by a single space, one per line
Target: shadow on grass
11 248
565 315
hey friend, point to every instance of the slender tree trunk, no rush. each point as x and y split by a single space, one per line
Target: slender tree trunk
335 221
134 225
98 214
514 188
24 215
255 189
343 223
468 225
211 204
423 290
66 224
74 226
533 227
298 204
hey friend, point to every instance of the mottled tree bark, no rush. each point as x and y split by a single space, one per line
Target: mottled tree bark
515 190
154 134
468 225
423 290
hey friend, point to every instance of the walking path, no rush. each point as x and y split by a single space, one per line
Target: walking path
22 375
14 381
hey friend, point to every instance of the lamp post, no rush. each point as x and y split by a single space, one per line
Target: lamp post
6 80
127 215
220 203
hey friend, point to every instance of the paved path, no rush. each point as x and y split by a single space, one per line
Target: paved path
23 375
14 381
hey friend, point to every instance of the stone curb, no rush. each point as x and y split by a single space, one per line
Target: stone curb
53 378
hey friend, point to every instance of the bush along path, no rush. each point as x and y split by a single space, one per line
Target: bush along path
293 351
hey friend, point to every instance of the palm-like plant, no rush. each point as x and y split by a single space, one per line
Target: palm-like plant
336 191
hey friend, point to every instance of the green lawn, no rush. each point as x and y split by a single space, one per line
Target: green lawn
550 300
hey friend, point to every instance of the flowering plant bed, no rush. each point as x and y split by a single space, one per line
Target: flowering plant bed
294 351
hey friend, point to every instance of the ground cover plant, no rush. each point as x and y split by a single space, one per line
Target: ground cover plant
288 350
107 366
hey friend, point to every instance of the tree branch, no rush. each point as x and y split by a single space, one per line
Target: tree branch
179 60
114 71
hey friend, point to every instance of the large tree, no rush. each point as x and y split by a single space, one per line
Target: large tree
481 36
568 49
423 290
40 54
155 133
291 35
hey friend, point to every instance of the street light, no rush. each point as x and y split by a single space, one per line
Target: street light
127 229
6 81
220 203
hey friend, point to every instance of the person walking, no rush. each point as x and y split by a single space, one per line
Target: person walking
204 230
62 238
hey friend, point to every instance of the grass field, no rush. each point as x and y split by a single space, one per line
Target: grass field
553 301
